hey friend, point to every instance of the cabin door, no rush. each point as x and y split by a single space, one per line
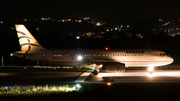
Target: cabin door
151 55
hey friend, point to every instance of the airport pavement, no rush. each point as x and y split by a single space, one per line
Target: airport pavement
50 76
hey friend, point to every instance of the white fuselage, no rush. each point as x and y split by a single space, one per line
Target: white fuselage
129 57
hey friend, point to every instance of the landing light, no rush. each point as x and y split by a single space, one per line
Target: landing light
79 57
150 68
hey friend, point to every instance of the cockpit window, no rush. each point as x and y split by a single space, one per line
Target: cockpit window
162 54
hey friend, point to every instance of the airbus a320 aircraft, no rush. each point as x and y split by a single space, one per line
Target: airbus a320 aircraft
107 59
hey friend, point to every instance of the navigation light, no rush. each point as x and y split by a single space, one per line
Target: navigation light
106 48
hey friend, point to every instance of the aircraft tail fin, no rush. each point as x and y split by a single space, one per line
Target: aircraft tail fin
26 39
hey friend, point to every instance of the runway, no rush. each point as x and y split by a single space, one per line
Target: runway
136 76
50 76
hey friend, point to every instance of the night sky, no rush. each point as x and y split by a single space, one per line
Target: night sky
98 9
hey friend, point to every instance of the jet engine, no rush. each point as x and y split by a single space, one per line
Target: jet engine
115 67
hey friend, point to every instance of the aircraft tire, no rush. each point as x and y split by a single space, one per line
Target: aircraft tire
95 72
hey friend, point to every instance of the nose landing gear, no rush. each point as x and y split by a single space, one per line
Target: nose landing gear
150 69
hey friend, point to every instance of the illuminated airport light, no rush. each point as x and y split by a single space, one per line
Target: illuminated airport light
43 19
37 29
107 30
116 28
150 68
109 83
6 87
98 24
1 21
160 20
11 54
127 25
92 22
101 65
49 18
78 85
79 57
86 18
79 21
77 37
54 68
24 67
93 68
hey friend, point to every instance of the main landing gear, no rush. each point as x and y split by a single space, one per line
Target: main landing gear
96 71
150 69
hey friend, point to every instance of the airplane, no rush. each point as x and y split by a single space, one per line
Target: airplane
107 59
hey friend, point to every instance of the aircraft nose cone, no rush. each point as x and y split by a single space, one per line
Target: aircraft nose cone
170 59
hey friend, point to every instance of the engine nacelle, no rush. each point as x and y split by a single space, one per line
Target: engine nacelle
118 67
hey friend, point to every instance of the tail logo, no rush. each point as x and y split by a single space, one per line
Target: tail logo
25 42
